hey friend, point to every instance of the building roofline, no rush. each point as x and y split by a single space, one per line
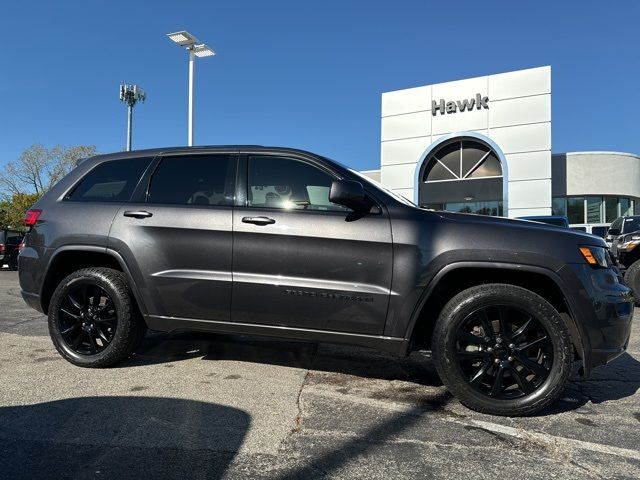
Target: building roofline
597 152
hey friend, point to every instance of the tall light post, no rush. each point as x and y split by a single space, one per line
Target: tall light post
131 94
195 49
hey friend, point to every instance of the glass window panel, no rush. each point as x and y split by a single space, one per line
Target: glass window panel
559 206
493 208
472 153
594 209
625 207
436 172
110 181
450 156
630 225
288 183
190 180
433 206
599 231
575 209
490 167
611 208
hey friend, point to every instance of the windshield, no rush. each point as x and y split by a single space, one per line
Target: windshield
631 224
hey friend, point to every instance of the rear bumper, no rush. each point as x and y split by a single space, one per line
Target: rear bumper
604 312
32 299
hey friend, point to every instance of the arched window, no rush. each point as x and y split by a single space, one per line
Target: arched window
462 175
462 160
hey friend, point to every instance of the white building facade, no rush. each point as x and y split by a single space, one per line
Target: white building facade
483 145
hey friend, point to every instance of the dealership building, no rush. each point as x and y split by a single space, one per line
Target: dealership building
483 145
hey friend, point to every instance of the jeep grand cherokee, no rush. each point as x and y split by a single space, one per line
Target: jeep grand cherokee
285 243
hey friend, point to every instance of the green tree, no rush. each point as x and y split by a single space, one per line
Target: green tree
39 168
13 208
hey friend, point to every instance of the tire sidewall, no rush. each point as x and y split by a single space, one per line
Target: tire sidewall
632 278
122 308
459 310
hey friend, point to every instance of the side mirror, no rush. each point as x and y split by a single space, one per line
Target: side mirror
349 194
614 232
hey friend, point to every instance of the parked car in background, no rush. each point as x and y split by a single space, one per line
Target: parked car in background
285 243
621 226
9 242
555 220
624 238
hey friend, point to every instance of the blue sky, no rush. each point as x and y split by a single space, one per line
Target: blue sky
303 74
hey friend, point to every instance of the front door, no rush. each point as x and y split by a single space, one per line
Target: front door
177 239
302 261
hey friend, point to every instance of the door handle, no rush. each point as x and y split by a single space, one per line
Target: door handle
258 220
137 213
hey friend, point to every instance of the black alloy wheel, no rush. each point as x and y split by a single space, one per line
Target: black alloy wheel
503 351
87 319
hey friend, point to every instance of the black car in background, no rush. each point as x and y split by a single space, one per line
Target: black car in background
624 240
621 226
9 243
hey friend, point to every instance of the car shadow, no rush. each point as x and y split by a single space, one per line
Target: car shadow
617 380
159 348
119 437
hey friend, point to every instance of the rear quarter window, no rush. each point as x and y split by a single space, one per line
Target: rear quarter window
112 181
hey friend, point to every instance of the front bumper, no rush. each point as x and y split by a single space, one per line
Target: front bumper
603 309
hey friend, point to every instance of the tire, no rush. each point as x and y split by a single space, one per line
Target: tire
13 263
121 336
527 385
632 278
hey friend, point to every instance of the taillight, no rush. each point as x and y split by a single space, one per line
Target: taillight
1 247
31 217
21 246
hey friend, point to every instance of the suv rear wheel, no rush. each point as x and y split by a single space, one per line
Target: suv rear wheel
502 350
93 321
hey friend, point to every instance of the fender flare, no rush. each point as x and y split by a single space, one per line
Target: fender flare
104 251
577 336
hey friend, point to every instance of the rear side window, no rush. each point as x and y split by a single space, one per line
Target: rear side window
193 180
110 181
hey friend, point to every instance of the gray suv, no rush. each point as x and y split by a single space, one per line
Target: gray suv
285 243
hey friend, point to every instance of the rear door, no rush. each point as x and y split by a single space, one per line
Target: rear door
302 261
177 238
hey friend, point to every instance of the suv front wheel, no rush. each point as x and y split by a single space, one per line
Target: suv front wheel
502 350
93 321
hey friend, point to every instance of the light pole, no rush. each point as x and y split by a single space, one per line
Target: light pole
131 94
195 49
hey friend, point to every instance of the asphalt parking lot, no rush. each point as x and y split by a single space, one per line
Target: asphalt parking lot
213 406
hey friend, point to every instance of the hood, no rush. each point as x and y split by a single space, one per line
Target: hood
521 226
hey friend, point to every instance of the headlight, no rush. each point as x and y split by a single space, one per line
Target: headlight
629 242
596 256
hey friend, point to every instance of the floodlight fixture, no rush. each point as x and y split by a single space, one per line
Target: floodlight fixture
203 51
195 49
182 38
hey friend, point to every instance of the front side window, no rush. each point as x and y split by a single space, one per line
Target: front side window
192 180
110 181
287 183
